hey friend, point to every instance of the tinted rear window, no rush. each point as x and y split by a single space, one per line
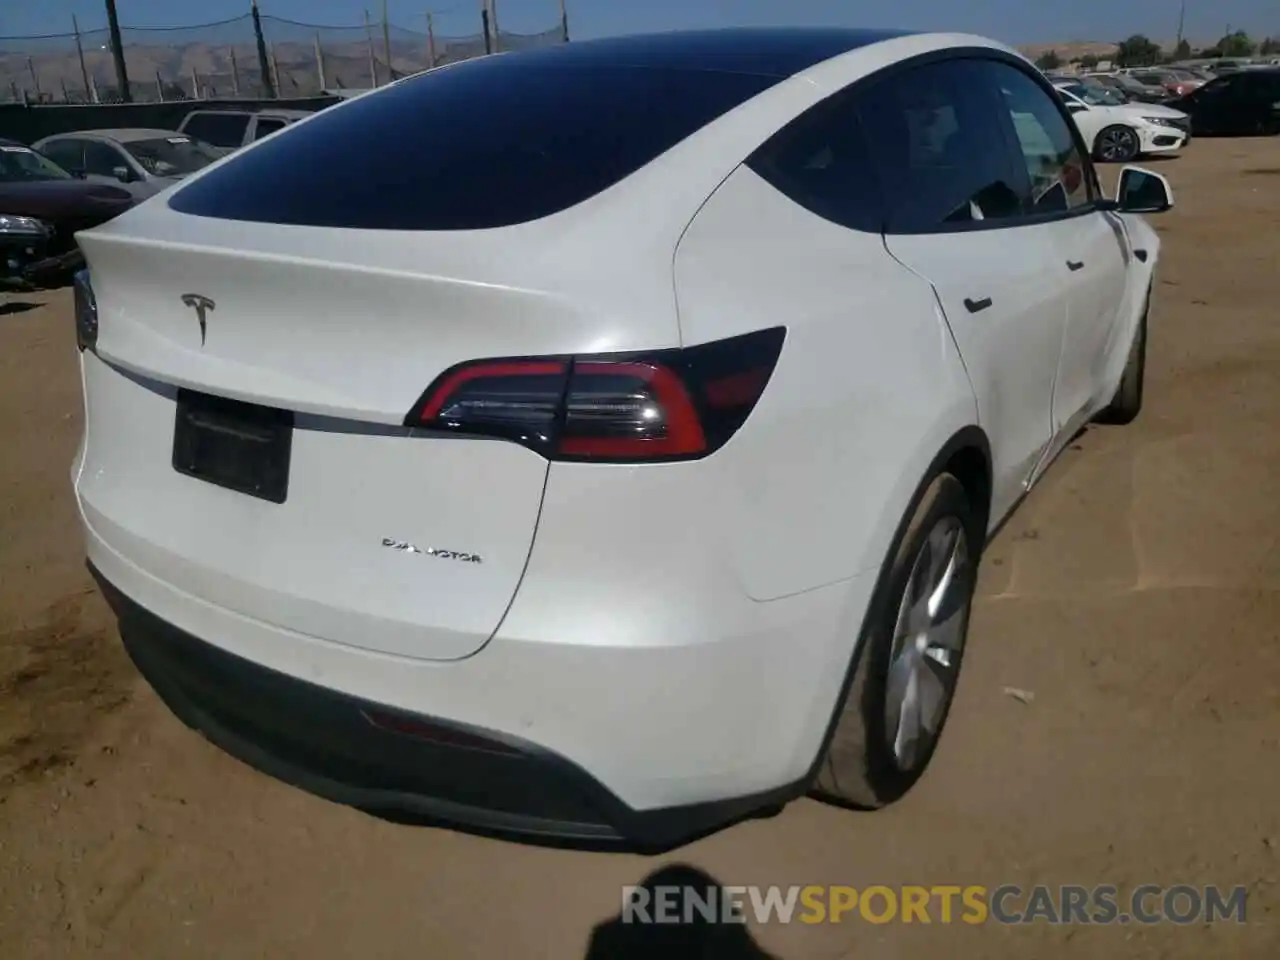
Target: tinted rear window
487 143
219 129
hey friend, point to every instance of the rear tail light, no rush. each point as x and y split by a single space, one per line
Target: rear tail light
667 405
86 308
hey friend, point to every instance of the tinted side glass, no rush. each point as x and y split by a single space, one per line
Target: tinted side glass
266 126
68 154
1058 172
485 143
820 161
940 151
101 158
219 129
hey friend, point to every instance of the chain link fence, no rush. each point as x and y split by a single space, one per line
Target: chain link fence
221 60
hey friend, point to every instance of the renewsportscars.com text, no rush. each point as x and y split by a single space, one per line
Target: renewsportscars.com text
1006 904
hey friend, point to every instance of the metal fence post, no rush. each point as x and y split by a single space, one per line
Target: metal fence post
386 43
564 23
275 72
264 65
320 64
84 70
484 22
35 78
117 53
431 40
235 74
373 60
159 87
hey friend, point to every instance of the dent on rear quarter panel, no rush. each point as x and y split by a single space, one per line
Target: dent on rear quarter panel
867 390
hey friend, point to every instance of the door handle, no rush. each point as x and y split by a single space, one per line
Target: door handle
977 306
1074 265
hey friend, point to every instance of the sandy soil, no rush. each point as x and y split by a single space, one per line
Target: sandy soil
1136 594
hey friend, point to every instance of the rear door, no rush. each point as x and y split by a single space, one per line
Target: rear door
68 153
1092 250
1217 106
952 181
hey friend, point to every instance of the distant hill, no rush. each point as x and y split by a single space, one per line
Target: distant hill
346 65
1072 49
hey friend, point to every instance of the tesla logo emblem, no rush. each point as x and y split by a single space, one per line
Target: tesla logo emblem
203 306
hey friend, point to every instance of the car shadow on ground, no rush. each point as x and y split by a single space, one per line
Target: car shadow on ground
17 306
694 937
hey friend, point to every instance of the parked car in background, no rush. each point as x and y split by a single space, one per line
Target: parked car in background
144 162
41 208
429 500
228 130
1175 83
1223 67
1242 103
1134 89
1117 133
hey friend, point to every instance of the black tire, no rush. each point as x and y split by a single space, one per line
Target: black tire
859 768
1127 402
1117 144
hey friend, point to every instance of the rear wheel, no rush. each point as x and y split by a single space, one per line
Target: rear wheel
1117 144
908 658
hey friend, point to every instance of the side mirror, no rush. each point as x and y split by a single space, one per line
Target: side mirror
1077 107
123 174
1141 191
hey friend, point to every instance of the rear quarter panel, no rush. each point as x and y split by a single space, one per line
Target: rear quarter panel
868 389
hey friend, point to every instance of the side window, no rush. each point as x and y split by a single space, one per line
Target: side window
68 154
1059 173
939 148
265 126
219 129
102 158
819 161
1217 88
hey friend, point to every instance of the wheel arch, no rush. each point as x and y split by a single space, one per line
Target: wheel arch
966 455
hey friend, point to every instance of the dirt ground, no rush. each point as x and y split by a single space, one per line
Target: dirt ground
1136 594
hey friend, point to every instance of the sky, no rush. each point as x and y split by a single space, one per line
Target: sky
1012 21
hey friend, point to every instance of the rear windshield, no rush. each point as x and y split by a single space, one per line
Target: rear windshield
486 143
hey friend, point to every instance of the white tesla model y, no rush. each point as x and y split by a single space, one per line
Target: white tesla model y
602 441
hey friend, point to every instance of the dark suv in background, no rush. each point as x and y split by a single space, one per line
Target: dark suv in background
1242 103
41 208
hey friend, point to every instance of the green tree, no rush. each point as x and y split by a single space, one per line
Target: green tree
1236 44
1138 51
1089 62
1270 46
1049 60
1182 51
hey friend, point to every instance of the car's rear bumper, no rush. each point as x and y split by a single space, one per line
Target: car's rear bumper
392 762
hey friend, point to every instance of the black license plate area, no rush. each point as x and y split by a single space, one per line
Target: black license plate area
241 446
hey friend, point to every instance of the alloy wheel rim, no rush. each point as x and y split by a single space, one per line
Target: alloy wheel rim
1117 144
928 643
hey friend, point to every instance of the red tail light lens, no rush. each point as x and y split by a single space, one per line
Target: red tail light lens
668 405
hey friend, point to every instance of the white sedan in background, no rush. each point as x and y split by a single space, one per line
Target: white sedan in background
621 463
1119 132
